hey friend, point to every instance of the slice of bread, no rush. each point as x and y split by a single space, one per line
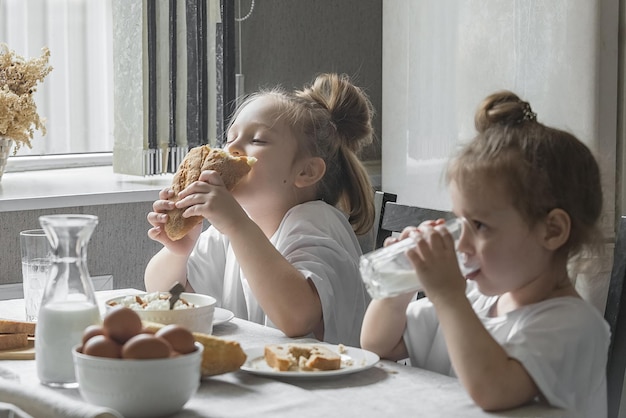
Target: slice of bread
13 341
231 168
8 326
303 357
322 358
279 357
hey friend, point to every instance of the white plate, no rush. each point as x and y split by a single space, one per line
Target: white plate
352 360
221 316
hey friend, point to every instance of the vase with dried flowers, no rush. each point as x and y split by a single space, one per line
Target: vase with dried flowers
18 111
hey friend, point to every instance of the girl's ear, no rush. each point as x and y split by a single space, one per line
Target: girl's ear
558 225
312 171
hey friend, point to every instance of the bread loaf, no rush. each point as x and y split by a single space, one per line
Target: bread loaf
303 357
8 326
219 356
13 341
231 168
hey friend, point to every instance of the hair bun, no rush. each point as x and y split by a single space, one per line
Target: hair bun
349 108
502 108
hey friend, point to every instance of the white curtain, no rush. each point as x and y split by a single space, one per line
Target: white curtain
76 98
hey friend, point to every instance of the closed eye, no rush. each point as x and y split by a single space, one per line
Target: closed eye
479 225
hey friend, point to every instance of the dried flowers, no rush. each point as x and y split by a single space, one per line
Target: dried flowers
18 80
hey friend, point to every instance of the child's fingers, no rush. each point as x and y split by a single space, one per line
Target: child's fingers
166 193
156 218
163 205
389 241
409 231
211 177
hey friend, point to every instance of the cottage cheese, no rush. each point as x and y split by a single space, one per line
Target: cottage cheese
156 301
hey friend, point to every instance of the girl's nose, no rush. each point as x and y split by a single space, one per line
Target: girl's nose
465 243
233 147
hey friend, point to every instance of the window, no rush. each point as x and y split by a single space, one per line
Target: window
156 61
76 98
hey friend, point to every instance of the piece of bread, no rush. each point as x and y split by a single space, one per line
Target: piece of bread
220 356
231 168
8 326
278 357
303 357
13 341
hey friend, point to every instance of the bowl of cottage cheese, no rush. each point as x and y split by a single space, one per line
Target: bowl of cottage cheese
192 310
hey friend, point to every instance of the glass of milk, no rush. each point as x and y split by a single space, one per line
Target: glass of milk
388 272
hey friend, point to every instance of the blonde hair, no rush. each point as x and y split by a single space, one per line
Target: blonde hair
542 168
332 118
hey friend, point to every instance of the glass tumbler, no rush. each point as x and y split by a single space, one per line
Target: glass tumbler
388 271
36 260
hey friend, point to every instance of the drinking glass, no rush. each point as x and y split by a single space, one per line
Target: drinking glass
388 271
36 260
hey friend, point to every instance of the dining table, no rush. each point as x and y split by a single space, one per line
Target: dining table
384 388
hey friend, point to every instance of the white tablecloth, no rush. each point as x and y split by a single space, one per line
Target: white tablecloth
385 389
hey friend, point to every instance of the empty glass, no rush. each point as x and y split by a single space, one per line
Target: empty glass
388 272
36 261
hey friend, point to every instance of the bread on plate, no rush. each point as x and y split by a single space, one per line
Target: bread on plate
303 357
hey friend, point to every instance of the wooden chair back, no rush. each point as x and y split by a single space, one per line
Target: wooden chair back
380 201
615 315
394 217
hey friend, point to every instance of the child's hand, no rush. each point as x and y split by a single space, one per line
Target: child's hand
412 231
435 261
405 233
209 198
157 219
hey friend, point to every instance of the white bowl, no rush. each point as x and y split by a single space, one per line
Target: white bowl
197 319
139 388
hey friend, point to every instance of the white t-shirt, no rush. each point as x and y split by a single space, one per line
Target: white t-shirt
561 342
316 239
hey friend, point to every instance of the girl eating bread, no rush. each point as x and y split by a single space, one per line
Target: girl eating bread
281 248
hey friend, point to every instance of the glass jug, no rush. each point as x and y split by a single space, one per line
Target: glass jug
69 303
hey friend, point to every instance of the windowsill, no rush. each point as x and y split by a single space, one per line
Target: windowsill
47 189
85 186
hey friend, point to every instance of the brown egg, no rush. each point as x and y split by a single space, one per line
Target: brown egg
91 331
146 346
121 324
179 337
102 346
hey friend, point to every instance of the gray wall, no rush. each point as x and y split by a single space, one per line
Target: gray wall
288 42
119 245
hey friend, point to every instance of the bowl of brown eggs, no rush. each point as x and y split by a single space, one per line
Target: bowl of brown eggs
192 310
138 373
